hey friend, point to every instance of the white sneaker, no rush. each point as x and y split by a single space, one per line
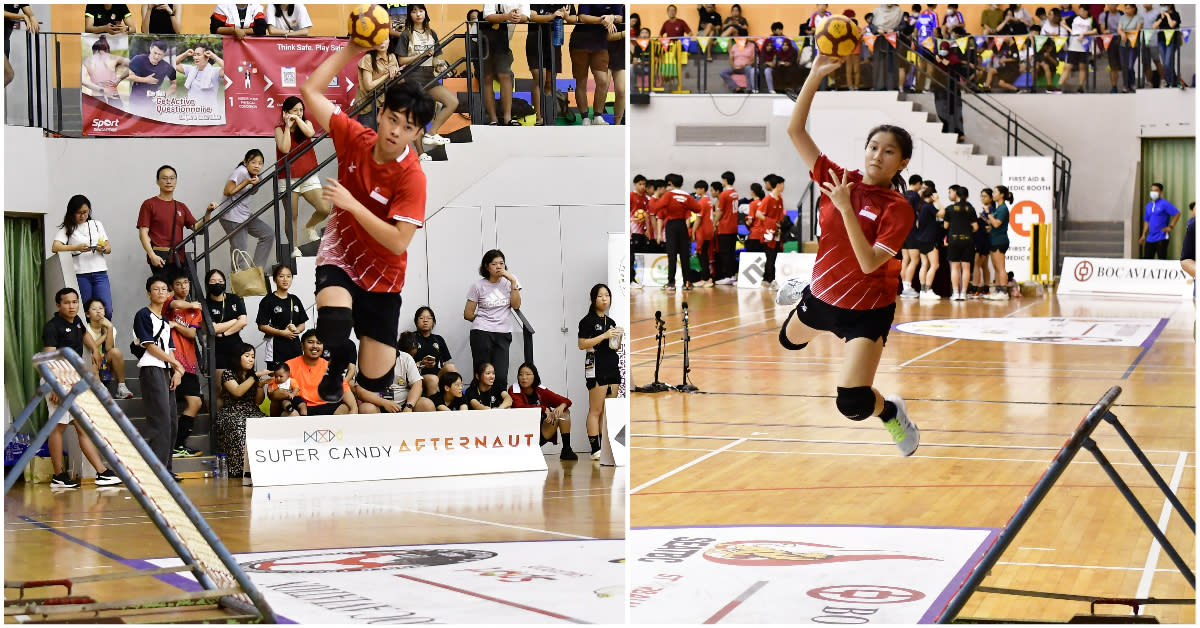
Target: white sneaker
599 121
426 157
775 285
586 122
904 432
791 292
297 253
123 392
434 140
909 293
929 295
635 285
728 281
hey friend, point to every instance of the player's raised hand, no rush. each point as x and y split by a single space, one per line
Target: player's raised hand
838 190
825 65
336 193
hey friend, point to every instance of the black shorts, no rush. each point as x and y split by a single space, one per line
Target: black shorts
189 386
1003 248
1074 57
549 52
961 249
926 247
845 324
325 409
911 241
617 55
603 379
376 314
982 244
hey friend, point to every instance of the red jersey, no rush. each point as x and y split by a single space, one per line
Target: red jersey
395 192
546 399
754 220
727 203
885 217
158 215
638 202
675 28
771 213
303 165
185 348
675 205
704 227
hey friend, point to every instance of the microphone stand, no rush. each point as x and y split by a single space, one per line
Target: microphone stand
686 386
656 386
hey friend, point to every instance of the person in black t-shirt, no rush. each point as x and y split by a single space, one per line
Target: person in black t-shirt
450 392
600 337
14 13
66 330
928 221
162 19
281 317
433 353
483 394
910 255
228 312
110 19
961 222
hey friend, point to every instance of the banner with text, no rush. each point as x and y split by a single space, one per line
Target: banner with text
355 447
787 266
618 282
1031 181
1136 278
199 85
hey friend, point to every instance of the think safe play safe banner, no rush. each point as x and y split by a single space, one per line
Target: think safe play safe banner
198 85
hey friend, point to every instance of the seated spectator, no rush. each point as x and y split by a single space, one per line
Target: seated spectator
288 20
405 394
84 237
282 386
708 26
497 30
1013 24
483 394
416 42
1005 67
556 418
107 359
674 26
951 20
14 14
736 25
1047 57
160 224
162 19
238 20
433 352
237 200
779 55
102 71
990 19
241 394
490 303
112 19
741 61
281 319
374 69
307 371
450 393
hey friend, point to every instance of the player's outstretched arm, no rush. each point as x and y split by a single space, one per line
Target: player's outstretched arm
313 90
394 237
822 67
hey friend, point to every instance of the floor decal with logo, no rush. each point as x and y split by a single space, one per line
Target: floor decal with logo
799 574
1108 332
535 582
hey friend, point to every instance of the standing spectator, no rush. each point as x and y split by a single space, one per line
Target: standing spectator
779 55
111 19
701 232
281 318
159 372
185 318
204 77
727 220
497 30
1110 24
147 72
754 222
237 221
483 393
1159 218
1169 20
241 394
910 251
14 14
708 26
228 314
107 359
883 65
86 240
472 40
674 26
102 71
997 222
375 68
1150 52
160 224
544 58
735 25
288 20
951 20
292 139
162 19
65 330
854 59
1078 57
983 245
433 352
948 98
600 339
589 50
419 41
817 17
961 225
742 56
618 55
238 20
1047 57
1130 30
771 214
528 392
490 302
638 204
925 25
927 221
672 210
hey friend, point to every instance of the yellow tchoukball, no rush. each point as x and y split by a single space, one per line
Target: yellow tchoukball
369 25
837 36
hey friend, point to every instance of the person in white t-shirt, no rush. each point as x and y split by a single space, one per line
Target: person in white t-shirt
236 197
84 238
1047 57
490 303
202 79
288 20
408 388
1077 55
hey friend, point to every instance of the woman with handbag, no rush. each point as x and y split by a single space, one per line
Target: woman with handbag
237 200
416 41
281 318
228 312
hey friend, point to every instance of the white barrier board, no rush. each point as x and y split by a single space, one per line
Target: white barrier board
356 447
614 441
1135 278
787 266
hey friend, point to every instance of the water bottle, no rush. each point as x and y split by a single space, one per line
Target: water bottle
222 470
557 38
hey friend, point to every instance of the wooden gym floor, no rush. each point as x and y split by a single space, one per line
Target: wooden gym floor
992 415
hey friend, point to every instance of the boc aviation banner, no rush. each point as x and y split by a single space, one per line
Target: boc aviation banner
1031 181
199 85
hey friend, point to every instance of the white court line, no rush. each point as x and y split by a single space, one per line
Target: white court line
1143 589
720 320
1037 549
1078 566
1010 314
688 465
490 523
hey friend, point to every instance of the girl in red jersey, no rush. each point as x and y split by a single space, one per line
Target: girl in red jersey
292 137
864 221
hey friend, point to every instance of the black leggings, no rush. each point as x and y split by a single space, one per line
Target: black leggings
726 249
491 347
704 253
678 246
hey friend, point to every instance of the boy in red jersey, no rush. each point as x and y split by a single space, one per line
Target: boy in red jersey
378 204
639 201
726 220
672 209
864 221
702 233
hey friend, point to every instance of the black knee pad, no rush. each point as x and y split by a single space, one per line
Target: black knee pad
377 385
334 325
856 403
783 339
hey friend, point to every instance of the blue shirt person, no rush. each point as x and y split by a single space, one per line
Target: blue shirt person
1159 219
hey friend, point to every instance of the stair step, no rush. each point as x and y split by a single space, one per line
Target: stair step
1092 236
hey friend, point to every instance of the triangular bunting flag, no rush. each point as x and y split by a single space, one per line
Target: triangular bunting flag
758 41
1148 35
644 42
704 43
801 41
1020 39
1170 35
741 42
777 41
986 54
1132 38
869 40
1187 34
686 42
722 44
1000 41
1059 42
928 44
891 37
1038 42
1061 66
664 41
980 41
1106 40
962 44
1087 44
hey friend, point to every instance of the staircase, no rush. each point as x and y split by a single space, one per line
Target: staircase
1092 239
200 438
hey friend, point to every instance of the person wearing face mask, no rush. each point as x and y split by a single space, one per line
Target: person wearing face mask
1159 219
228 313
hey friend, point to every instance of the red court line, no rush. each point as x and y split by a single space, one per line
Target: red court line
493 599
885 486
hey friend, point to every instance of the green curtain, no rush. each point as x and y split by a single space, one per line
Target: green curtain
1170 161
23 261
